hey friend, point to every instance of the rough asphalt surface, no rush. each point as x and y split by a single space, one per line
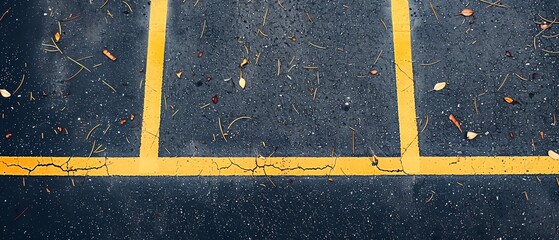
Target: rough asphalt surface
426 207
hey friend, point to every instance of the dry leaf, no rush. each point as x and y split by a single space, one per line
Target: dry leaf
242 82
467 12
244 62
509 100
439 86
5 93
179 74
57 37
553 154
471 135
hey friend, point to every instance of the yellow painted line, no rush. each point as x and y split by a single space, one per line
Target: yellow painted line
149 146
274 166
409 141
198 166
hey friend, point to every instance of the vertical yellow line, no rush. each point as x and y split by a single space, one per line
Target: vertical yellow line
149 145
409 146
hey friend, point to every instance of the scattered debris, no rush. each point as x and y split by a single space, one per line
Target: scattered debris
553 154
471 135
439 86
509 100
452 118
244 62
5 93
466 12
242 82
109 55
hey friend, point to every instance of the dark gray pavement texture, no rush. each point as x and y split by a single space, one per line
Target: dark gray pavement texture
74 105
288 115
473 61
491 207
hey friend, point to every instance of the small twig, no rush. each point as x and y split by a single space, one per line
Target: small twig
475 104
434 11
91 131
237 119
264 18
314 93
203 29
310 67
503 83
281 5
109 85
262 33
494 4
279 66
383 24
4 14
426 122
378 57
316 46
526 195
56 46
431 197
25 209
309 17
128 5
294 108
221 129
175 113
105 3
429 64
75 74
547 20
520 77
549 51
550 36
106 129
20 83
92 148
79 64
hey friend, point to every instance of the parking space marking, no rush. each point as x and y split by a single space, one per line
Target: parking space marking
150 164
409 141
149 145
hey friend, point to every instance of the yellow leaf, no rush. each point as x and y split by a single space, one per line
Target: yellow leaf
242 82
5 93
471 135
244 62
553 154
439 86
57 37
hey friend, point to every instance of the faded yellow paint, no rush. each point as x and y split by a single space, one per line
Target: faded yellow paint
149 146
409 142
274 166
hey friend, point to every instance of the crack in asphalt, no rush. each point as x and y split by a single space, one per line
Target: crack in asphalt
64 167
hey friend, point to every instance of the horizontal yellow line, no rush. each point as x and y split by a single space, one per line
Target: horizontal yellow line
274 166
